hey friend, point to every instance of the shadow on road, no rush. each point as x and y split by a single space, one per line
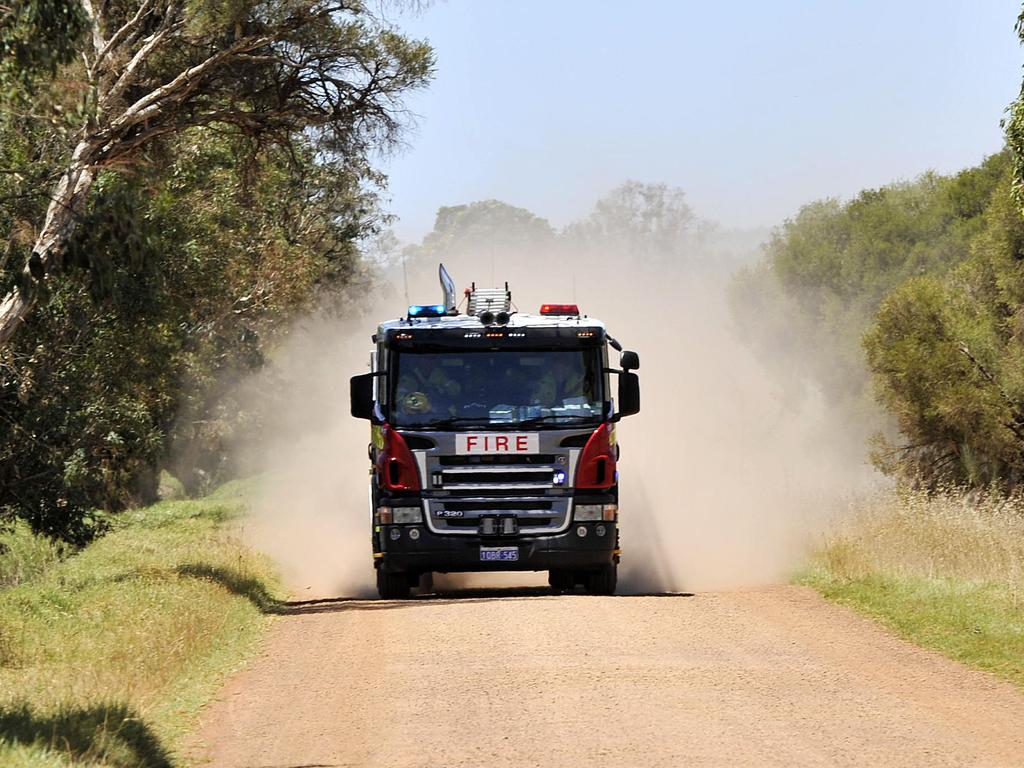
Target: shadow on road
257 593
452 597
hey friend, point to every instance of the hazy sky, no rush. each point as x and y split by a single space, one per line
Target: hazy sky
753 108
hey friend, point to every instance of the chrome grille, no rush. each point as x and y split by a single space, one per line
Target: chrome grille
494 477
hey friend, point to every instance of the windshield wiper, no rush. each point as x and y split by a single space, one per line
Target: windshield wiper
454 421
556 418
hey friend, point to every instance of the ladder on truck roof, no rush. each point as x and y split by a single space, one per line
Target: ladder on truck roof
488 300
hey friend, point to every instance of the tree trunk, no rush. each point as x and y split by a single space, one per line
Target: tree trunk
66 205
13 311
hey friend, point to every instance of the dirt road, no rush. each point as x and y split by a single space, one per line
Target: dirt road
768 678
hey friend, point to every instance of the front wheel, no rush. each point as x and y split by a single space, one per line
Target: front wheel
560 581
601 582
392 586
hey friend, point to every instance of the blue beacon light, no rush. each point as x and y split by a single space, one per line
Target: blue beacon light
426 310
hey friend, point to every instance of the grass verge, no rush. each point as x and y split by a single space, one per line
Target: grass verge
107 656
944 571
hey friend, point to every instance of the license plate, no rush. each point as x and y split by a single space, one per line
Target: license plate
499 554
495 443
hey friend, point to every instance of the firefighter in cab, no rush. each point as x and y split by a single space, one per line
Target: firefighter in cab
426 388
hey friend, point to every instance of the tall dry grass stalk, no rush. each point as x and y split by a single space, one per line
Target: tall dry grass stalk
949 534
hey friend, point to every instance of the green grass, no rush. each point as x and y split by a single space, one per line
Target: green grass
944 571
107 656
24 556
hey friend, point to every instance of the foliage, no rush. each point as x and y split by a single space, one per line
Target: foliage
1014 127
488 231
107 657
184 275
37 36
191 239
948 361
650 225
828 270
280 73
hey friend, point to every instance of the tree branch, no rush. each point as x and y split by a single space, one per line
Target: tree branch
150 44
1018 419
129 26
98 42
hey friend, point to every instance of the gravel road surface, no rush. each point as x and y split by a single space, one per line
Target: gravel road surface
776 677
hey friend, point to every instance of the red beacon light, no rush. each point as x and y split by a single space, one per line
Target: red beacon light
571 310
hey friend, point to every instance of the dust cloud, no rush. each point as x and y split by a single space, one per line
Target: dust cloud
310 511
724 482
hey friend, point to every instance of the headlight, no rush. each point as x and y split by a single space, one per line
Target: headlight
585 512
407 515
388 515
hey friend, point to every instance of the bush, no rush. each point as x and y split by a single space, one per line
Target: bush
948 362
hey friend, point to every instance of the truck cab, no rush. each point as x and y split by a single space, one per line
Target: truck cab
493 443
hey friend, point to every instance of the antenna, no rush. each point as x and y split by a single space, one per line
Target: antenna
405 277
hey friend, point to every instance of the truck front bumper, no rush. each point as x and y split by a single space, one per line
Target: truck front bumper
416 549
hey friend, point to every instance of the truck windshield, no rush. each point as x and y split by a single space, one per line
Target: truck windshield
514 387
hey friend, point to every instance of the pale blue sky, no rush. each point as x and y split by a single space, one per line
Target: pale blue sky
753 108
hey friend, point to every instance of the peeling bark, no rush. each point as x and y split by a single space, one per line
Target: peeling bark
62 215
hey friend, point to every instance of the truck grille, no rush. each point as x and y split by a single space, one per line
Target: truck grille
495 477
494 506
472 461
498 495
475 523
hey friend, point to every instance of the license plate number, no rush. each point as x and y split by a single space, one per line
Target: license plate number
499 554
496 443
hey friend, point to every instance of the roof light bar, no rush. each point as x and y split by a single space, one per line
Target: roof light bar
427 310
560 309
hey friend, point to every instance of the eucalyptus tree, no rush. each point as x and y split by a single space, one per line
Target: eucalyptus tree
287 72
649 225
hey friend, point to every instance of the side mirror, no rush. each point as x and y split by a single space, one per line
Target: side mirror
629 394
630 361
361 392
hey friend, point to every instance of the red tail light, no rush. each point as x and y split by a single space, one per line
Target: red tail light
396 467
596 467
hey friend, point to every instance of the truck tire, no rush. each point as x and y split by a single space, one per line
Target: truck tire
392 586
425 583
560 581
601 582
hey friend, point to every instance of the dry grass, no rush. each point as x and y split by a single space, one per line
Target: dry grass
945 570
109 654
945 535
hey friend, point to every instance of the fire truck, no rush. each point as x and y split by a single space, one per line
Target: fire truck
493 444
